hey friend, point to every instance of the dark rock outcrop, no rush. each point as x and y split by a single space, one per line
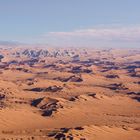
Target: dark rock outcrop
112 76
46 104
70 79
48 89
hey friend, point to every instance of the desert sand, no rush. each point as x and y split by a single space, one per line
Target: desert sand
69 94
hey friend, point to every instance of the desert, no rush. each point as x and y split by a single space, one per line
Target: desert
69 94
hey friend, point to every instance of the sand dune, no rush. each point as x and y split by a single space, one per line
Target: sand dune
69 94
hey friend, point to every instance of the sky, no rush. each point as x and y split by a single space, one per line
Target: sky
103 23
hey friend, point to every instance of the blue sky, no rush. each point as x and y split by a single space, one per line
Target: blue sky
71 22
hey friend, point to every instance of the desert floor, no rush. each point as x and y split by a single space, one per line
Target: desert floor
69 94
